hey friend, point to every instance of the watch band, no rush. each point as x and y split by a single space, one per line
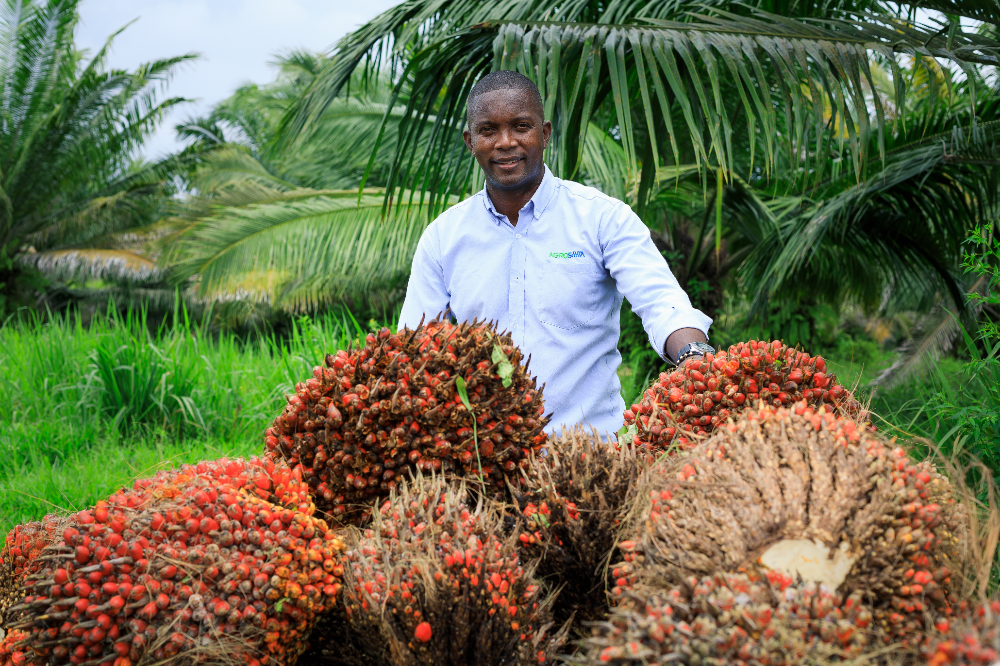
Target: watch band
693 349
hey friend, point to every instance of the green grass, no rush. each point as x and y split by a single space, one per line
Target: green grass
86 409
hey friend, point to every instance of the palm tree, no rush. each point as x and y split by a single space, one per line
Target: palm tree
278 226
779 108
71 187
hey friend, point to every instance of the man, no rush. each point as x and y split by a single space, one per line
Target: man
548 260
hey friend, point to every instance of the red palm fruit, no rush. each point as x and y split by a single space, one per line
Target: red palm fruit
173 592
434 581
737 619
371 416
23 544
694 398
970 640
794 485
571 504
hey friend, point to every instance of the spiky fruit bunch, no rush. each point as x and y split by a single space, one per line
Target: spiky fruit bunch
23 544
971 641
736 619
434 581
372 415
698 396
571 506
785 486
215 561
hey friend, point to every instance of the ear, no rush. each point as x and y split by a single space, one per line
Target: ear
467 135
546 133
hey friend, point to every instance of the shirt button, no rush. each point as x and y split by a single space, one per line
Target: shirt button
518 236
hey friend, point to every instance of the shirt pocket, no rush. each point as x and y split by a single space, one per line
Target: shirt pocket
571 293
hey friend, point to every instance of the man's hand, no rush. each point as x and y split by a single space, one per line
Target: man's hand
679 338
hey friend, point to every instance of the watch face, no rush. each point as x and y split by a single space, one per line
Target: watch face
694 349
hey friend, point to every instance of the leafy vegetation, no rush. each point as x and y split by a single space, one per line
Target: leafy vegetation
73 189
86 408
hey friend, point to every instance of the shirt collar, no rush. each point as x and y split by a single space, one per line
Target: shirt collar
536 204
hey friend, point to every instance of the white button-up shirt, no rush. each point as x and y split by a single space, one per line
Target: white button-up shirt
555 283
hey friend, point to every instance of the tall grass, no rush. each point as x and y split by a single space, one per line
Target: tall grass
85 409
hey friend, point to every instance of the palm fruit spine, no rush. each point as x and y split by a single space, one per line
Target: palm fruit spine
738 619
972 640
371 416
23 544
782 480
698 396
571 505
219 560
434 581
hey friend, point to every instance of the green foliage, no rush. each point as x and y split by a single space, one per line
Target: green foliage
280 226
960 411
640 362
811 326
86 408
675 81
71 189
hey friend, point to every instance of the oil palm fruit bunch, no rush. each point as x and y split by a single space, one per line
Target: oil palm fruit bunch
434 581
571 505
966 641
737 619
23 544
784 487
402 402
700 394
211 562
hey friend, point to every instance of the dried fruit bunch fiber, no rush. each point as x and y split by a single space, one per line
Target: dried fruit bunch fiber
373 414
735 618
434 581
23 544
571 505
967 641
698 396
780 480
216 562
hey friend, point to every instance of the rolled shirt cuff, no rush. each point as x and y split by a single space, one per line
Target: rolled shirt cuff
677 319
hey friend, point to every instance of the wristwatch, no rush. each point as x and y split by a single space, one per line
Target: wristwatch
694 349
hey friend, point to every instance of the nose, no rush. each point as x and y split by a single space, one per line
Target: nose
506 139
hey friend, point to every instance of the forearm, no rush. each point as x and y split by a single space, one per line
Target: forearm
679 338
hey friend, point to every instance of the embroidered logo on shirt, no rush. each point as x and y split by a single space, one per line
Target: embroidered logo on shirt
566 255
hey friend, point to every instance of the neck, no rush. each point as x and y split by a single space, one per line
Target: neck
510 202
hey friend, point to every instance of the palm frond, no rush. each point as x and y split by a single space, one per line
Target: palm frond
95 264
300 249
900 230
980 10
230 164
933 335
713 73
603 165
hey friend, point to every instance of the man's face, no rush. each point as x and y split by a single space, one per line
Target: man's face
507 136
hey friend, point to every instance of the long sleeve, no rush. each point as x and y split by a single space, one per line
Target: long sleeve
643 276
426 293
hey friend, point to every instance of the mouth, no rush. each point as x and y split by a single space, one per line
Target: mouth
507 163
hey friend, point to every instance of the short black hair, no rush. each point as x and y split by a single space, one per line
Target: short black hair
501 79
